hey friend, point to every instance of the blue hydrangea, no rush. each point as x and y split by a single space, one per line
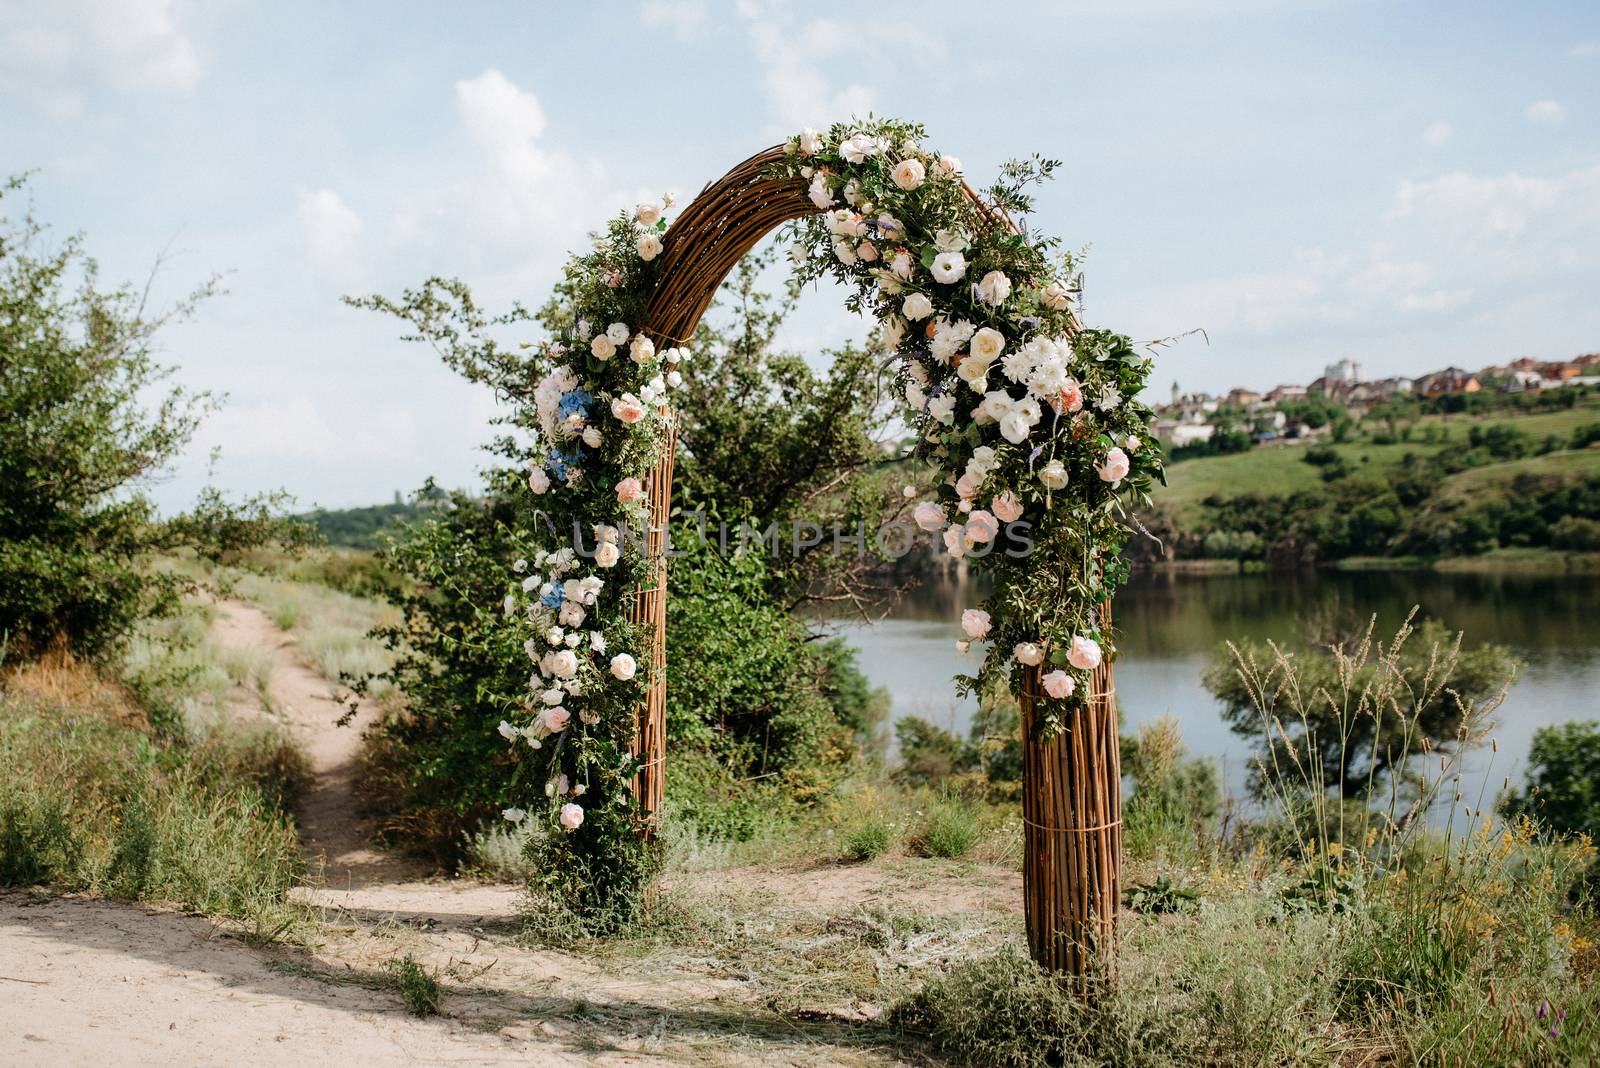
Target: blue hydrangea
552 598
574 402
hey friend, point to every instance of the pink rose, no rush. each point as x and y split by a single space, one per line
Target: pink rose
555 719
953 536
966 487
1006 507
1059 684
975 622
981 527
1115 466
629 489
1028 654
538 481
1084 653
928 515
628 408
1070 398
571 816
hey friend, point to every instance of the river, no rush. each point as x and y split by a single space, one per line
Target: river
1172 624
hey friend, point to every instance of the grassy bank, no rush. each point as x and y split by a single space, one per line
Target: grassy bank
135 782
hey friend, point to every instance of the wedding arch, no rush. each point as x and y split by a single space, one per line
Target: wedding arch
1029 421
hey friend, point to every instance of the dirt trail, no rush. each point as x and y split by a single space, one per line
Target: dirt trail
93 982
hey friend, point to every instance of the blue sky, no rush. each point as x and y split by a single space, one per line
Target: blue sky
1408 184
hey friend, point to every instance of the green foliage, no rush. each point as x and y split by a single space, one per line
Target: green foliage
86 414
370 527
1410 697
88 804
223 530
1562 790
868 839
419 989
1161 896
949 829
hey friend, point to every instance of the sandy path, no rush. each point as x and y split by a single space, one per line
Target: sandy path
86 982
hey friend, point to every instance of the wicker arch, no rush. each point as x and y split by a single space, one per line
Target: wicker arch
1072 796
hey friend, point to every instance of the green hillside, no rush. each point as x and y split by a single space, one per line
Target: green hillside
1437 486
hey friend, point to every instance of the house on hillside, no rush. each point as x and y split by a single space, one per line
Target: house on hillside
1242 397
1346 372
1449 380
1286 393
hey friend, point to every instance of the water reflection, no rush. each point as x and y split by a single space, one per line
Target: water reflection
1172 624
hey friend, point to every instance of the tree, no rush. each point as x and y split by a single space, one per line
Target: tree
87 418
1563 779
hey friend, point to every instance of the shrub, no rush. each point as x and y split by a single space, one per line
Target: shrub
1563 779
419 989
868 839
1576 533
949 830
88 804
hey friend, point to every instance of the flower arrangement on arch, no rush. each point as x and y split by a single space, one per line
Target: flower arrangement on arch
1029 420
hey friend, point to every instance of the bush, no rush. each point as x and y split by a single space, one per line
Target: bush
1563 779
1576 533
88 804
948 831
868 839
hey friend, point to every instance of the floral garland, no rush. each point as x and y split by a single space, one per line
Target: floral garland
1027 418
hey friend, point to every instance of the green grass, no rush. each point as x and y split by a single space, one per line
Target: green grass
1281 469
90 804
416 987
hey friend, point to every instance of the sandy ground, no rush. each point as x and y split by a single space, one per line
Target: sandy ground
86 982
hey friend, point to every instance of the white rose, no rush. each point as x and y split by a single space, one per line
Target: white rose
943 408
649 247
592 437
674 379
843 252
994 288
917 306
553 696
1053 475
987 344
643 350
1029 654
1056 296
1014 427
602 347
538 481
908 173
810 142
648 213
819 193
948 267
949 240
949 166
856 148
607 554
894 331
617 332
623 666
563 663
973 372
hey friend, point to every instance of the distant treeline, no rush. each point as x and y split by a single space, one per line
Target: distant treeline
364 528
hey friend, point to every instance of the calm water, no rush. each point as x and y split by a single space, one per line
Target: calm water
1171 625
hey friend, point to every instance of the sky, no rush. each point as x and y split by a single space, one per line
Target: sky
1407 184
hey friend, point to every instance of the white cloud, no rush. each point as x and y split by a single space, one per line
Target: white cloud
1437 132
302 428
329 226
1442 244
528 188
1586 50
1545 112
685 18
52 53
794 58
